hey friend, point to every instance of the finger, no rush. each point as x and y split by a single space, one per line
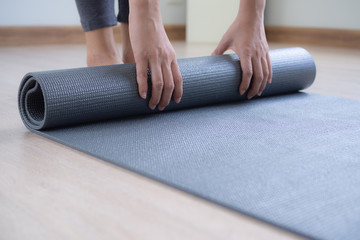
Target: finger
257 78
156 84
262 87
247 73
141 78
269 80
220 49
178 82
168 86
265 69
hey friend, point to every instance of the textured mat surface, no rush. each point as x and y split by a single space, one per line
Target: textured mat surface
288 159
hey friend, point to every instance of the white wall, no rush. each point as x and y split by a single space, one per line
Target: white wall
38 12
64 12
173 11
208 20
344 14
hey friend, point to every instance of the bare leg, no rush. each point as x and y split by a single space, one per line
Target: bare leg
101 47
127 52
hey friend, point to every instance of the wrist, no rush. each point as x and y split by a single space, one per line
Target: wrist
251 13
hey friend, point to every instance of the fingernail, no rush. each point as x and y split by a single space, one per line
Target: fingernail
250 97
242 91
259 94
143 95
152 107
177 100
161 108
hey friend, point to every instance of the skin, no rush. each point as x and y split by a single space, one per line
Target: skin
246 37
153 50
145 42
101 47
127 50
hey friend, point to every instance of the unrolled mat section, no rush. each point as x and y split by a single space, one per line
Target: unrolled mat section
288 158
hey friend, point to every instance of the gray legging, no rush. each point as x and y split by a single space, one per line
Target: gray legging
96 14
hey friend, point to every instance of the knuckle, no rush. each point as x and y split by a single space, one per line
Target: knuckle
169 56
169 86
154 53
158 84
144 54
161 52
164 56
172 54
247 72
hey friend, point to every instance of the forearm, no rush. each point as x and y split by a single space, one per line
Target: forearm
149 9
251 12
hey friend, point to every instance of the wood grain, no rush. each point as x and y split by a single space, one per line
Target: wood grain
176 32
52 35
40 35
50 191
314 36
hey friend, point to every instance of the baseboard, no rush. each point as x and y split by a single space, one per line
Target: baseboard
314 36
40 35
46 35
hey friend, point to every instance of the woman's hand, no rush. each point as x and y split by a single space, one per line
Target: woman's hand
246 37
152 49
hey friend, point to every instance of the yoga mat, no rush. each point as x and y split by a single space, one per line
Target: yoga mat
288 158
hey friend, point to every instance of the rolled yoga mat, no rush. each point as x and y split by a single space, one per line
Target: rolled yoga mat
288 158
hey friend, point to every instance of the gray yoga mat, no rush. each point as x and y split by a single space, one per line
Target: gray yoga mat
288 158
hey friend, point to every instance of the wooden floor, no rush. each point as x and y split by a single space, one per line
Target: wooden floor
49 191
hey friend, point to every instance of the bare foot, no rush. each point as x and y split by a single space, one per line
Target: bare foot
127 52
102 59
